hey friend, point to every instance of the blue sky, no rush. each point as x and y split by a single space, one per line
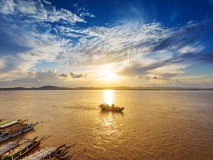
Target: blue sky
106 43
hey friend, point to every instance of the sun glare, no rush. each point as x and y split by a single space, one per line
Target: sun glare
108 75
108 96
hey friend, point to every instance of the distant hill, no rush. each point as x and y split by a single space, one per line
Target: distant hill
103 88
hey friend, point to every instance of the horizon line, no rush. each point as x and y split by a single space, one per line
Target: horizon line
104 88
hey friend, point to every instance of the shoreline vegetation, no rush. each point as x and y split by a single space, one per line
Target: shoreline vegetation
102 88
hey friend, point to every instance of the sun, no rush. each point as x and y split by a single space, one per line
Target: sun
108 75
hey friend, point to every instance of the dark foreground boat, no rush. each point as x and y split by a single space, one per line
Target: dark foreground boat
51 153
15 130
112 107
22 147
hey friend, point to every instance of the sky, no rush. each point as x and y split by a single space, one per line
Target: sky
106 43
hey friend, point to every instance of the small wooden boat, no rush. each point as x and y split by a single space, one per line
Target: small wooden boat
8 124
5 148
15 130
11 123
21 149
112 107
51 153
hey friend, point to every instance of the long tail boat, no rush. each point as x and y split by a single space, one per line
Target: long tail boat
10 123
51 153
16 130
5 148
21 149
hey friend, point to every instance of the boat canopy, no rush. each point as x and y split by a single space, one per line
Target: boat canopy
15 127
4 121
8 124
7 147
18 148
41 154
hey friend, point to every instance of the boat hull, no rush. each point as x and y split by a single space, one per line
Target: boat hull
16 134
106 107
20 150
115 110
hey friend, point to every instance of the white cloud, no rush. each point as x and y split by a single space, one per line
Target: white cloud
191 49
7 6
14 67
9 56
96 45
25 7
2 64
82 11
101 45
39 10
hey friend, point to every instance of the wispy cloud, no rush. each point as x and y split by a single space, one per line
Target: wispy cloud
83 12
189 34
102 45
38 10
168 57
167 65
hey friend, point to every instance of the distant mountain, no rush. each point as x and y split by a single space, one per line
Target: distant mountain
103 88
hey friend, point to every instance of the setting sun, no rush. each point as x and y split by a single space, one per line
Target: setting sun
108 75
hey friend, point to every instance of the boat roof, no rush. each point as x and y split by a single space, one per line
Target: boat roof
7 147
41 154
15 127
18 148
4 121
8 124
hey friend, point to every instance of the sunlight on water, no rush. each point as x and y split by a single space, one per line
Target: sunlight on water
108 120
108 96
109 125
154 125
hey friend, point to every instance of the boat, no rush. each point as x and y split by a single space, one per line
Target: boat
5 148
51 153
112 107
24 146
8 124
15 130
11 123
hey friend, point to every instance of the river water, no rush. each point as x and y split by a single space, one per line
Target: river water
170 125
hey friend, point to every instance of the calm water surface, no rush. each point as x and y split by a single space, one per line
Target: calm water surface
175 125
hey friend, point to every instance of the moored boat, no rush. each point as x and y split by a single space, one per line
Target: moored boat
51 153
24 146
5 148
11 123
15 130
112 107
8 124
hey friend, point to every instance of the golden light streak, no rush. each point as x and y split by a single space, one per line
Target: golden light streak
108 96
